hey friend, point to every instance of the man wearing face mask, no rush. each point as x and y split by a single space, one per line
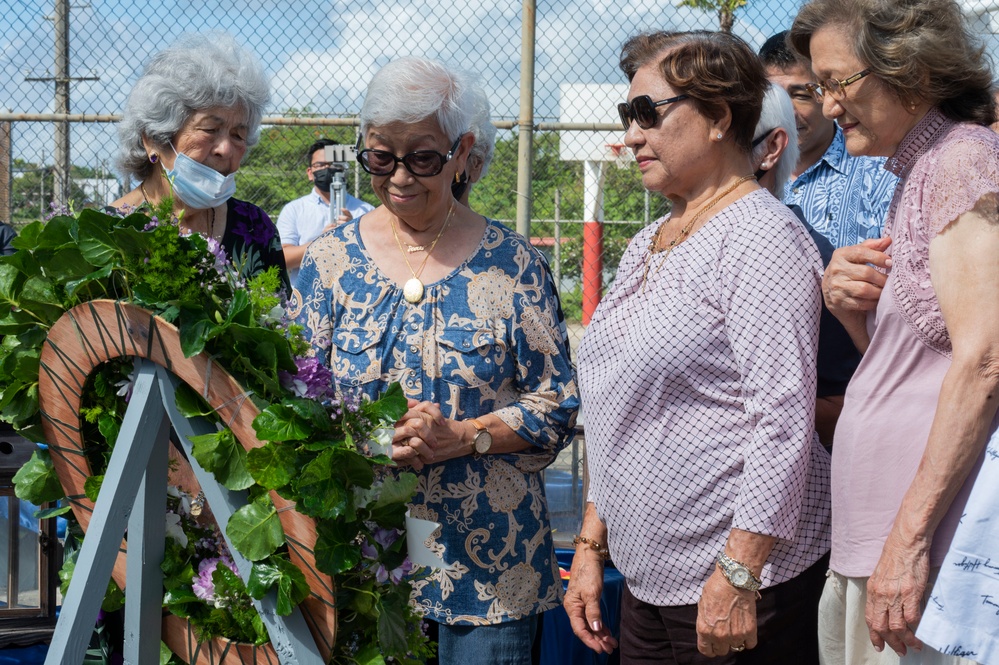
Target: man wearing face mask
303 220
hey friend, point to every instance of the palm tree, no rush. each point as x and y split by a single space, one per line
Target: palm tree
725 8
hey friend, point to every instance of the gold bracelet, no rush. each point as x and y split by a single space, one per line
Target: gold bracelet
597 548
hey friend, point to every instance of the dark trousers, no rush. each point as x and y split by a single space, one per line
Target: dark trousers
787 619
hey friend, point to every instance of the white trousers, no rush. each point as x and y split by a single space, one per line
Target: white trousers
844 638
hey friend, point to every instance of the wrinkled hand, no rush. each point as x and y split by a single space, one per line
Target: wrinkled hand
414 439
582 602
849 284
448 434
726 617
895 595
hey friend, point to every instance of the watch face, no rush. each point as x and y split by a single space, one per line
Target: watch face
483 441
740 577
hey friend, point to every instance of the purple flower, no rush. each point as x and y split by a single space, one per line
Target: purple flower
218 251
368 550
405 569
203 586
386 537
254 231
312 380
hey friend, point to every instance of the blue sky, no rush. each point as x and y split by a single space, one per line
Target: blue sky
321 53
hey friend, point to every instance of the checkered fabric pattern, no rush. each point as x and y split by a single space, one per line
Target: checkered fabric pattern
699 395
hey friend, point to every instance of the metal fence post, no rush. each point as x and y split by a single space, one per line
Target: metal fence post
525 146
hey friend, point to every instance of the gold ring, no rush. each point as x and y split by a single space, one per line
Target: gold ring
738 649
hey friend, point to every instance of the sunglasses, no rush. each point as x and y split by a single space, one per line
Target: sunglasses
422 163
643 111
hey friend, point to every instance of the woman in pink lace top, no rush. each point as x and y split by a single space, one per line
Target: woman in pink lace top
905 80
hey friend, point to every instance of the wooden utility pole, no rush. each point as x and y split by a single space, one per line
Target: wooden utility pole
61 160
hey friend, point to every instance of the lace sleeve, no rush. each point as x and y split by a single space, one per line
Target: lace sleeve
966 170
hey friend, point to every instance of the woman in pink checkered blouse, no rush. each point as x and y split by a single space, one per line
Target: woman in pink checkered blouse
708 485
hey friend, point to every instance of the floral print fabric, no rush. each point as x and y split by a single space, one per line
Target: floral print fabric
488 338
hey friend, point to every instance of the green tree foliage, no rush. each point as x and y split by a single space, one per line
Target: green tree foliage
32 188
724 8
273 172
625 200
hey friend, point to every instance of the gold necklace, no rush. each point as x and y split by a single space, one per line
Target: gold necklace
413 289
684 232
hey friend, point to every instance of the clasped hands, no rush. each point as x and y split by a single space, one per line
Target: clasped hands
424 435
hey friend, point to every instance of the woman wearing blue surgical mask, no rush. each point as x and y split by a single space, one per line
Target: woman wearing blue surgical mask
187 125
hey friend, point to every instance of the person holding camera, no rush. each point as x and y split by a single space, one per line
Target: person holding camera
301 221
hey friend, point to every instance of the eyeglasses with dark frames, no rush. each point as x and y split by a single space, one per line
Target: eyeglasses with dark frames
421 163
835 88
643 111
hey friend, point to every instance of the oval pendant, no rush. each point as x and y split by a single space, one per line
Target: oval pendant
412 290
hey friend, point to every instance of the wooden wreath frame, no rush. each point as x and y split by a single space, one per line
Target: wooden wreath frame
102 330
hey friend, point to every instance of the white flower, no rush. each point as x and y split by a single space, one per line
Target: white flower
275 316
380 442
175 530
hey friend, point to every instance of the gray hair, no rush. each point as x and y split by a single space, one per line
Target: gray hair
412 89
196 72
482 128
778 111
923 50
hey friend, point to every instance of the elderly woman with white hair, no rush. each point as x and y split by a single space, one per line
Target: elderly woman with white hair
461 312
187 125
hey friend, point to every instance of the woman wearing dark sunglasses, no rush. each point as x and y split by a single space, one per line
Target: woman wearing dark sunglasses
708 485
463 313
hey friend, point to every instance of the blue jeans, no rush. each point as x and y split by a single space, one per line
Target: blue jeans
507 643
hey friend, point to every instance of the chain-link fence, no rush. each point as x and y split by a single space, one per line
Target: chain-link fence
320 55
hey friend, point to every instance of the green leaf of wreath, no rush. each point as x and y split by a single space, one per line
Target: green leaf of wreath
323 494
272 465
92 486
391 625
11 282
390 407
292 587
95 240
37 481
190 404
335 549
220 454
280 422
255 530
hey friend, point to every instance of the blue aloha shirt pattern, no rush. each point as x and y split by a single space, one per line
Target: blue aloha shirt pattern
844 198
489 338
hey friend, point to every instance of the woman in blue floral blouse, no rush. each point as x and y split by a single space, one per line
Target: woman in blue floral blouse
463 313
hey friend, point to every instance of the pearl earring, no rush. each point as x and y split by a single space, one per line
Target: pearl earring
719 136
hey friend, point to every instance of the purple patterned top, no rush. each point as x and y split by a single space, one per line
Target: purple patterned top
945 168
699 396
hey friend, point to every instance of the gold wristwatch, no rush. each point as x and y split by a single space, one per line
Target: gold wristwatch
483 440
